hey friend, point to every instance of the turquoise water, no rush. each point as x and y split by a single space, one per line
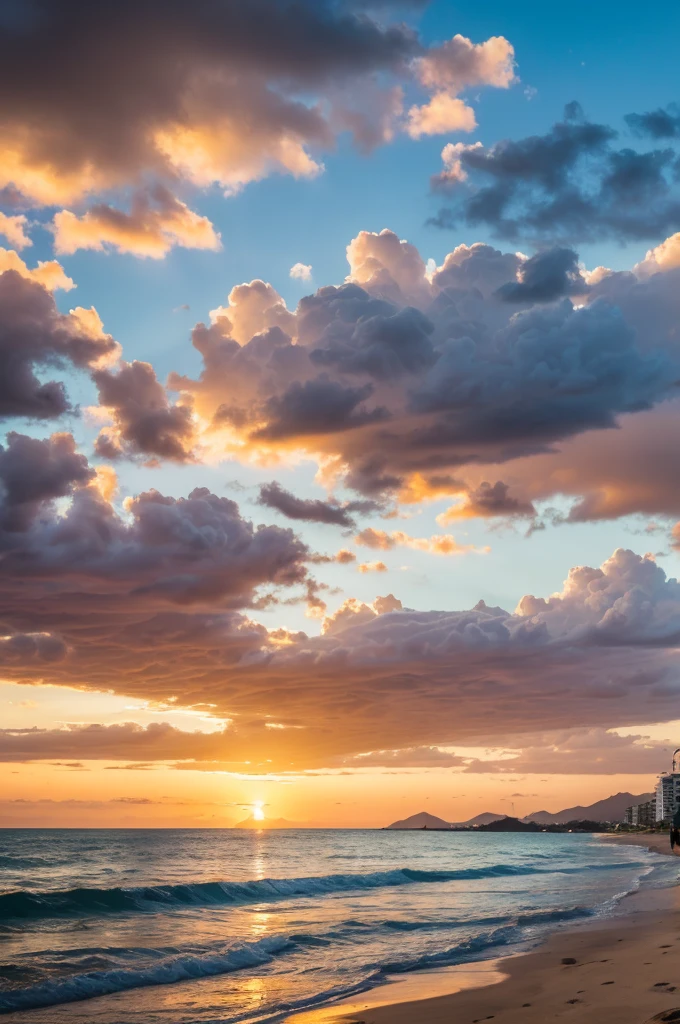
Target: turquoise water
180 926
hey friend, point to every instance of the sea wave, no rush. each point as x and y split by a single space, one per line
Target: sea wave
76 975
23 904
150 970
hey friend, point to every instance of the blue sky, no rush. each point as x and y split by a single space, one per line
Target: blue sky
612 57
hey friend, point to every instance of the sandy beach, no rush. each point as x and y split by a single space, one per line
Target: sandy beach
624 972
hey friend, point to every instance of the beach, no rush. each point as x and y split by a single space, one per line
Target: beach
626 971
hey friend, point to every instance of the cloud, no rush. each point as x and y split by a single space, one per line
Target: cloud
158 741
665 256
345 557
438 544
571 185
447 70
453 165
584 751
545 277
365 567
157 222
459 63
160 597
14 230
211 95
311 510
443 113
321 406
144 421
487 501
404 372
34 335
301 271
49 274
657 124
253 308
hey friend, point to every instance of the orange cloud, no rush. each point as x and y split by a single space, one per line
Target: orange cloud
14 230
437 544
50 274
145 231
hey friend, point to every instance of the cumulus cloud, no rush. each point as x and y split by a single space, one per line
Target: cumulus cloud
443 113
365 567
34 335
49 273
301 271
570 184
14 230
405 371
144 421
157 221
211 95
545 277
160 587
448 69
665 256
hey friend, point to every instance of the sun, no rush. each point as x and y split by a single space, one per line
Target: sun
258 813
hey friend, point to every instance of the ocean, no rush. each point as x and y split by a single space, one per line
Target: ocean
203 926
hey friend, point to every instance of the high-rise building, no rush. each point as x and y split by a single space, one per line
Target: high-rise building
641 814
668 792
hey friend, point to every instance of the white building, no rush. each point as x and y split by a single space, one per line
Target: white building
667 796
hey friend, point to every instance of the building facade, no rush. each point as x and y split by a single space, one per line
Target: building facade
641 814
667 796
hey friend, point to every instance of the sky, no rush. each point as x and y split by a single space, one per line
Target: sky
339 362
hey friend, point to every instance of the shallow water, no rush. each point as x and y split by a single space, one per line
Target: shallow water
143 927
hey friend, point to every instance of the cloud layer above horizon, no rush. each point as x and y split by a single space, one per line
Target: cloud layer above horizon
523 392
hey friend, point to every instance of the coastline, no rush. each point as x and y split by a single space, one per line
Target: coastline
624 971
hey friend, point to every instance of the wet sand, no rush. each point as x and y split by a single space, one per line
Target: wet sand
624 972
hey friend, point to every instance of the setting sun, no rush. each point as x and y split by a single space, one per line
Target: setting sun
258 813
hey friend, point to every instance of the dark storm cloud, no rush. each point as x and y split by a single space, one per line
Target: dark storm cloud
320 406
590 369
35 336
382 346
545 277
571 184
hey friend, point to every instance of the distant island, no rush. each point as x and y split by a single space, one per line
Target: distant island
611 809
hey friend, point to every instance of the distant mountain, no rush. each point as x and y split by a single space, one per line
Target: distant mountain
611 809
420 820
485 818
510 825
425 820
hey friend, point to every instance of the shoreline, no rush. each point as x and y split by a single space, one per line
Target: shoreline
624 971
